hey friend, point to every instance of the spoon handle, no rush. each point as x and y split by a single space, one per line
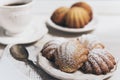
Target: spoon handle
34 74
29 62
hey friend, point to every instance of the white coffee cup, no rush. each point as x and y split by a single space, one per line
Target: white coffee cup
15 15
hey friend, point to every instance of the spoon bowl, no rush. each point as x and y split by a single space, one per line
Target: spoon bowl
19 52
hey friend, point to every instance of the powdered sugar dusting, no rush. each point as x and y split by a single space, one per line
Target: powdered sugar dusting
89 41
49 49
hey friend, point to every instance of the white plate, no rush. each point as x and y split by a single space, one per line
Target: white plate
89 27
48 67
34 32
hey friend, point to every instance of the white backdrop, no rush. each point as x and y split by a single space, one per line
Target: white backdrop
100 6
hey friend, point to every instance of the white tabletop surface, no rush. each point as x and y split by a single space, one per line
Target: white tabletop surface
108 30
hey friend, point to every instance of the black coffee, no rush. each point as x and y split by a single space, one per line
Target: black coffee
15 4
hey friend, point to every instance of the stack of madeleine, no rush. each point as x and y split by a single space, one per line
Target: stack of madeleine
77 16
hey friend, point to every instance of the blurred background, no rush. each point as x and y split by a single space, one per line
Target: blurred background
100 6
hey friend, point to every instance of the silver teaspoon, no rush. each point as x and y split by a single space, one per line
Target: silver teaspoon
19 52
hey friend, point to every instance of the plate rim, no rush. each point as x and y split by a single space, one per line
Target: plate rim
92 23
99 77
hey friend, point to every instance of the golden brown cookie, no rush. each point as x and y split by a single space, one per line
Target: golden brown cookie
77 17
70 56
49 49
86 6
99 62
59 15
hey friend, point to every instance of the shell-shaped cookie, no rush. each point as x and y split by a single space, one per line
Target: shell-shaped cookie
59 15
100 61
49 49
77 17
86 6
91 42
70 56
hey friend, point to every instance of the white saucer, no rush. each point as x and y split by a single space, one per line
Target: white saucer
31 34
89 27
48 67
